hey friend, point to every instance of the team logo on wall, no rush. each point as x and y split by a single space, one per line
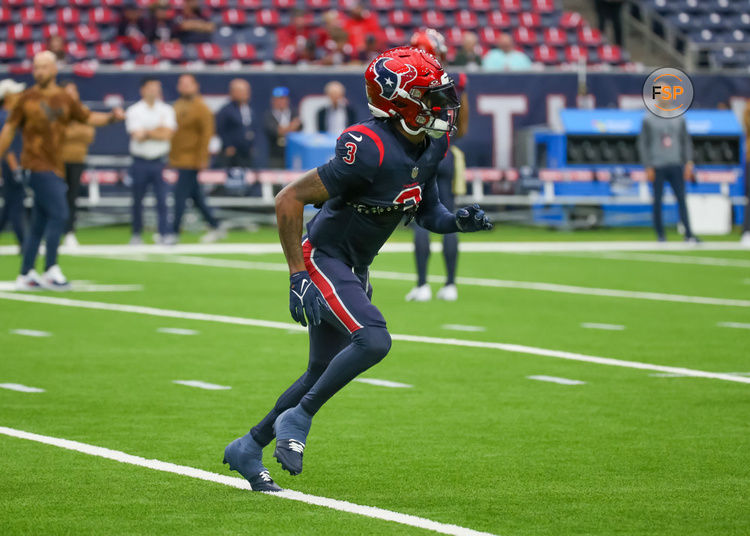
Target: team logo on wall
388 79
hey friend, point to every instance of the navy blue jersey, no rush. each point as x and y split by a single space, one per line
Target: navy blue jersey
375 177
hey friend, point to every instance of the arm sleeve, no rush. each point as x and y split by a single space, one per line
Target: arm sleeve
207 132
15 119
352 167
644 143
131 124
221 130
687 142
78 112
432 214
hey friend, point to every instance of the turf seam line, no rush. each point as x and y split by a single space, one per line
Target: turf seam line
241 483
515 348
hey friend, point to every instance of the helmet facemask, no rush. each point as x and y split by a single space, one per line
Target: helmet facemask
440 107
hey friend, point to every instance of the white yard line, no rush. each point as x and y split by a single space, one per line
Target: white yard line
241 483
202 385
555 379
670 259
462 327
31 333
225 319
21 388
738 325
607 327
178 331
475 281
81 286
383 383
670 375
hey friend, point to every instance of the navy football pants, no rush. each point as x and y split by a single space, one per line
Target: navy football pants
12 211
674 176
145 172
188 187
48 218
445 173
351 338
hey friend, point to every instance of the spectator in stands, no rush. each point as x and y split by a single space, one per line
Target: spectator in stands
193 24
332 24
338 114
469 53
505 57
75 147
189 154
56 45
151 123
234 126
610 11
296 33
340 51
157 27
280 120
12 174
746 224
358 24
371 51
131 28
666 151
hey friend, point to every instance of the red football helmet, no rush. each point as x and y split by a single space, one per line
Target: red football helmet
431 41
411 85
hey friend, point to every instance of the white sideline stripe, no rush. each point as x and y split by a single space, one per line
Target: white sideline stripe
475 281
515 348
608 327
80 286
462 327
555 379
21 388
738 325
241 483
202 385
668 375
670 259
178 331
31 333
383 383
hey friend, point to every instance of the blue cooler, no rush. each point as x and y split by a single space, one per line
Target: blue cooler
308 151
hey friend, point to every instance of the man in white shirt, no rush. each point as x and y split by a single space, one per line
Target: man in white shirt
151 123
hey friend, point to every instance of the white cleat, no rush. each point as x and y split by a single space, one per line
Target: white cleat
165 239
214 235
70 241
745 240
30 281
136 240
448 293
420 294
53 279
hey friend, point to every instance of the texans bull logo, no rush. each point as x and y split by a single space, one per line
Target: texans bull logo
388 79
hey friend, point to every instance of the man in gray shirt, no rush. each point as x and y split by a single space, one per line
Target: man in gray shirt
667 154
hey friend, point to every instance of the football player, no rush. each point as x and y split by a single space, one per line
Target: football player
383 171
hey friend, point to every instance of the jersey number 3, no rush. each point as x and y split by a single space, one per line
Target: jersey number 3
351 153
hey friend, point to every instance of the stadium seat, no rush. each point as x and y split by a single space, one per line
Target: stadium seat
172 51
573 53
250 5
382 5
415 5
480 5
54 29
32 16
32 49
555 37
234 17
80 3
7 51
267 17
546 54
609 53
433 19
146 60
109 52
112 3
454 36
729 58
103 16
589 36
6 15
244 52
210 53
446 5
525 36
498 19
571 20
19 32
88 33
77 51
488 36
284 4
467 19
394 36
15 3
543 6
400 17
216 4
69 16
318 5
511 6
530 20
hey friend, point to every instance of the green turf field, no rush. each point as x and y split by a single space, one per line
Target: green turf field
473 442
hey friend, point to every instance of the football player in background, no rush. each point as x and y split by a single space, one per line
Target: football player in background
14 192
451 181
383 171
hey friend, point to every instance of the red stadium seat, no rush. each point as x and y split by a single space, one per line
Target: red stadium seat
69 16
250 5
32 49
555 37
525 36
267 17
488 36
144 4
108 52
400 17
416 5
19 32
53 29
467 19
15 3
570 20
284 4
510 6
498 19
574 52
433 19
102 16
318 4
244 52
88 33
112 3
172 51
216 4
531 20
146 59
454 36
394 36
210 52
80 3
589 36
382 5
446 5
543 6
76 50
33 16
545 54
480 5
7 51
610 53
5 15
234 17
46 4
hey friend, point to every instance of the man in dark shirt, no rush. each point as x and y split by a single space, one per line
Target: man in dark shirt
234 126
13 190
280 120
383 170
193 24
337 114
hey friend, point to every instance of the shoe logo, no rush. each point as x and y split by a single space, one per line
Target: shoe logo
265 476
357 138
296 446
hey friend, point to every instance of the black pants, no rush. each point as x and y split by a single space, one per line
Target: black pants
145 172
608 10
188 187
674 176
73 172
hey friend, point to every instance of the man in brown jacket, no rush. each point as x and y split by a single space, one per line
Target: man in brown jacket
189 153
75 147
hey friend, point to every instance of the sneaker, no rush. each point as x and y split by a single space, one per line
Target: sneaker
214 235
70 241
245 456
291 428
745 240
693 240
30 281
422 293
136 240
54 279
448 293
